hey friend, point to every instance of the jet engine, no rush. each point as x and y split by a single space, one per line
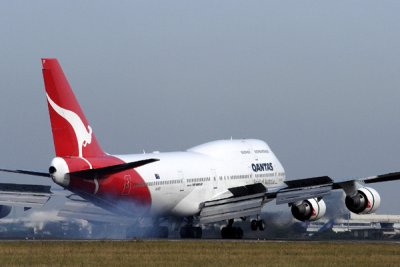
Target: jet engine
309 210
365 201
4 211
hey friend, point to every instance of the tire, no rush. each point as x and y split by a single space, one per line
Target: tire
253 225
191 232
184 232
198 232
232 233
225 232
238 233
261 225
163 232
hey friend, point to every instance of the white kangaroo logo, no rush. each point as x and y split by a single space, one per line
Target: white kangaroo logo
83 136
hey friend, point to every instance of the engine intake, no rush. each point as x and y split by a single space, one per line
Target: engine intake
4 211
365 201
309 210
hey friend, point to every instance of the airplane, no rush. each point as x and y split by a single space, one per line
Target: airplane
219 181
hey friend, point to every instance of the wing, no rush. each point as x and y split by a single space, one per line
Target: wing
316 187
24 195
243 201
381 178
248 200
297 190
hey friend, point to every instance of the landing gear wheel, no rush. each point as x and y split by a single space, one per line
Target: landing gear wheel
191 232
238 233
254 225
224 232
163 232
184 232
231 232
198 232
156 232
261 225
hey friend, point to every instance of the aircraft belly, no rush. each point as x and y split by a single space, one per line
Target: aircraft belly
189 205
164 201
181 204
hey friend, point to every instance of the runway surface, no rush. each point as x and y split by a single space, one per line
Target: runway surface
358 241
206 252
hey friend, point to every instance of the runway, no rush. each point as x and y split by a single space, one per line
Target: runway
205 252
212 240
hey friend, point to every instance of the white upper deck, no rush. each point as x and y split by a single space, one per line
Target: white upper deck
227 149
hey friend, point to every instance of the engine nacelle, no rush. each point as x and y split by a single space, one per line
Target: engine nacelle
4 210
309 210
365 201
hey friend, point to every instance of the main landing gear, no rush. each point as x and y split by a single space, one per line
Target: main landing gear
230 232
158 231
190 231
147 232
257 224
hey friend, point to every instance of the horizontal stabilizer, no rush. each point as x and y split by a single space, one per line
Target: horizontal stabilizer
99 172
91 173
42 174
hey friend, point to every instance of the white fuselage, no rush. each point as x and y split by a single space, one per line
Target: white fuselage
180 181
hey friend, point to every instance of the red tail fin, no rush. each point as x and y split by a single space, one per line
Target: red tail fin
71 131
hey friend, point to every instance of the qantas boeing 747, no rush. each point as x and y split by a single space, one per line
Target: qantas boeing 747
213 182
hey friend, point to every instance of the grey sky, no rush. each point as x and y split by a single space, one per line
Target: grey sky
317 80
